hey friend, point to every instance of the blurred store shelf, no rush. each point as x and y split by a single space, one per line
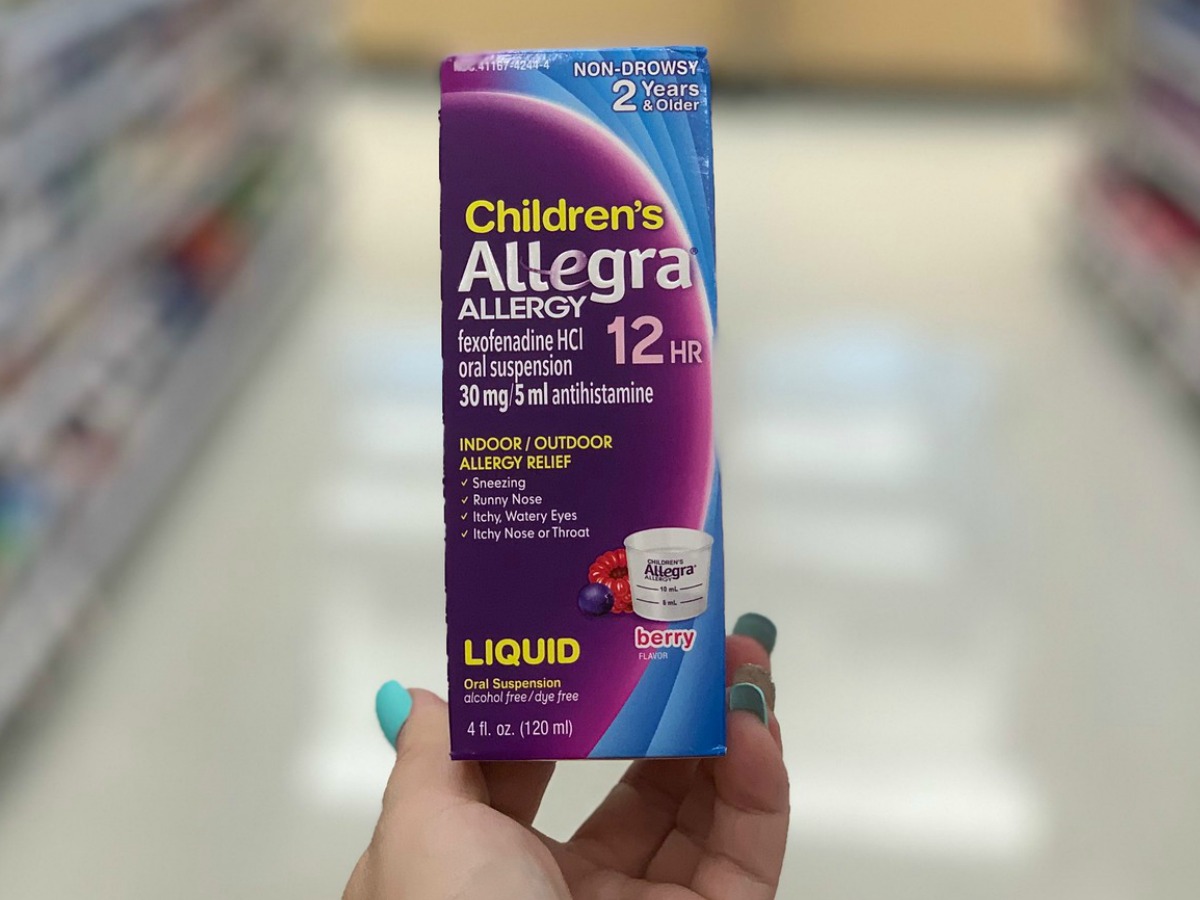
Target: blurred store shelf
1023 45
157 186
1136 210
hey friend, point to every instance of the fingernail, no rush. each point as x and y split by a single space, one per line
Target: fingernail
749 698
762 629
392 706
748 673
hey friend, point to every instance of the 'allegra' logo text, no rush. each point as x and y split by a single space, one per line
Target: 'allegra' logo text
660 571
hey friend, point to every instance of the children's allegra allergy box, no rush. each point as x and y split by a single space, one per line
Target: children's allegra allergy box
584 566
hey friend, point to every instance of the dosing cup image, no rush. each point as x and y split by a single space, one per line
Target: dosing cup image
668 572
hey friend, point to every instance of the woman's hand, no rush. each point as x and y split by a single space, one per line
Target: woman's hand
713 829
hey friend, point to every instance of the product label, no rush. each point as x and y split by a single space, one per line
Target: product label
584 566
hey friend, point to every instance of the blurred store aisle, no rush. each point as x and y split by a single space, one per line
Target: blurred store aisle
967 505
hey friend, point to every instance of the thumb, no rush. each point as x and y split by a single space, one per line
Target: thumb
424 784
424 774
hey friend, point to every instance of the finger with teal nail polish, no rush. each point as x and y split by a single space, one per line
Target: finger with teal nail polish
759 628
747 697
392 707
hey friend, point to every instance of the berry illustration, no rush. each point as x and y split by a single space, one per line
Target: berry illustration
595 600
612 570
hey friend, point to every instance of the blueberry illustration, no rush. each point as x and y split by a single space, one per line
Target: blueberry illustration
595 600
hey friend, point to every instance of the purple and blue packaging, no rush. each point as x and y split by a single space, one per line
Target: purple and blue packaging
584 547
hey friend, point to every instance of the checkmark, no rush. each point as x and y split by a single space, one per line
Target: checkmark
464 481
465 499
464 534
464 516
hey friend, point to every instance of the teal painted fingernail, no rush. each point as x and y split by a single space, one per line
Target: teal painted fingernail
762 629
392 706
748 698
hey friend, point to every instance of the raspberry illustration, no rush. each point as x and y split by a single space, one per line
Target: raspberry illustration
612 570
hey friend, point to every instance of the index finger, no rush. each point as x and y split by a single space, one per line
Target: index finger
742 855
741 651
752 641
